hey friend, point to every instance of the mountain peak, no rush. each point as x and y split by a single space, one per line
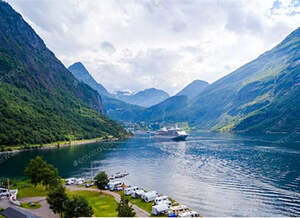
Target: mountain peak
193 89
82 74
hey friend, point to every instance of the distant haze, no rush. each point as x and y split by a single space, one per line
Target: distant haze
166 44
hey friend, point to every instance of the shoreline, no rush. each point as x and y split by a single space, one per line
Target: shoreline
59 144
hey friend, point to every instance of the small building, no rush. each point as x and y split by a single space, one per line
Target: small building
160 209
13 212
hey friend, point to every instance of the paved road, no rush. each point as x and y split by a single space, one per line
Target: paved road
139 212
44 211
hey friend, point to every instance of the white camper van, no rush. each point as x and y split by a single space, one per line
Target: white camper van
79 181
138 193
113 185
4 192
70 181
159 209
130 190
162 200
150 196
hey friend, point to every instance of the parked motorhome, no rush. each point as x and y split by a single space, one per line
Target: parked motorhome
138 193
113 185
4 192
189 214
162 200
79 181
130 190
159 209
70 181
178 209
150 196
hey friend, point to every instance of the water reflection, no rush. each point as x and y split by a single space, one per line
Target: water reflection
218 175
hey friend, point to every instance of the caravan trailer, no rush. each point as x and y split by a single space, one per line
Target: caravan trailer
174 211
149 196
159 209
162 200
113 185
130 190
70 181
4 192
138 193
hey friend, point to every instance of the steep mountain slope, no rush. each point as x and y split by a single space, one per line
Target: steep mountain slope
114 108
164 110
40 100
193 89
81 73
145 98
259 97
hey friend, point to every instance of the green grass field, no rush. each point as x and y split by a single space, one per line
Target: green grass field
103 205
34 205
26 189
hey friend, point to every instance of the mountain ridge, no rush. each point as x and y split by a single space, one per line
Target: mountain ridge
40 100
193 89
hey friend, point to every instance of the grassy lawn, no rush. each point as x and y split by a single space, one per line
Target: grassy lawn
33 205
26 189
103 205
0 214
139 202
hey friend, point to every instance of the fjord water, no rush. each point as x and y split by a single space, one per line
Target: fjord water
217 175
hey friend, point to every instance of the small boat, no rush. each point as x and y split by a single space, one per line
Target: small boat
176 134
118 175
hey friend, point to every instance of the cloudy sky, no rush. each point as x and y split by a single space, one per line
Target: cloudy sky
138 44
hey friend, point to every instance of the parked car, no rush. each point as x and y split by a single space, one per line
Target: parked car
189 214
87 185
4 192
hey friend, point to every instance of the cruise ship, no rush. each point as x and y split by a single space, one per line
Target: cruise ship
173 133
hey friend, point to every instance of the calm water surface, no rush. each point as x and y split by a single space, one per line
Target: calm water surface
216 175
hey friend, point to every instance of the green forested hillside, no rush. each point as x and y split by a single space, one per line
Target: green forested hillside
261 97
40 100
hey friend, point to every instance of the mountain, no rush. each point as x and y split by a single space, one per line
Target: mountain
114 108
40 100
145 98
81 73
261 97
165 109
193 89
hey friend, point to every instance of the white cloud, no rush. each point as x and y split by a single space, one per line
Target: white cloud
137 44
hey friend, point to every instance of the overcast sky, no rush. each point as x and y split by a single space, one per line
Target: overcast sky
166 44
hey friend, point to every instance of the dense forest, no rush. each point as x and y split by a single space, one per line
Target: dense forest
40 100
